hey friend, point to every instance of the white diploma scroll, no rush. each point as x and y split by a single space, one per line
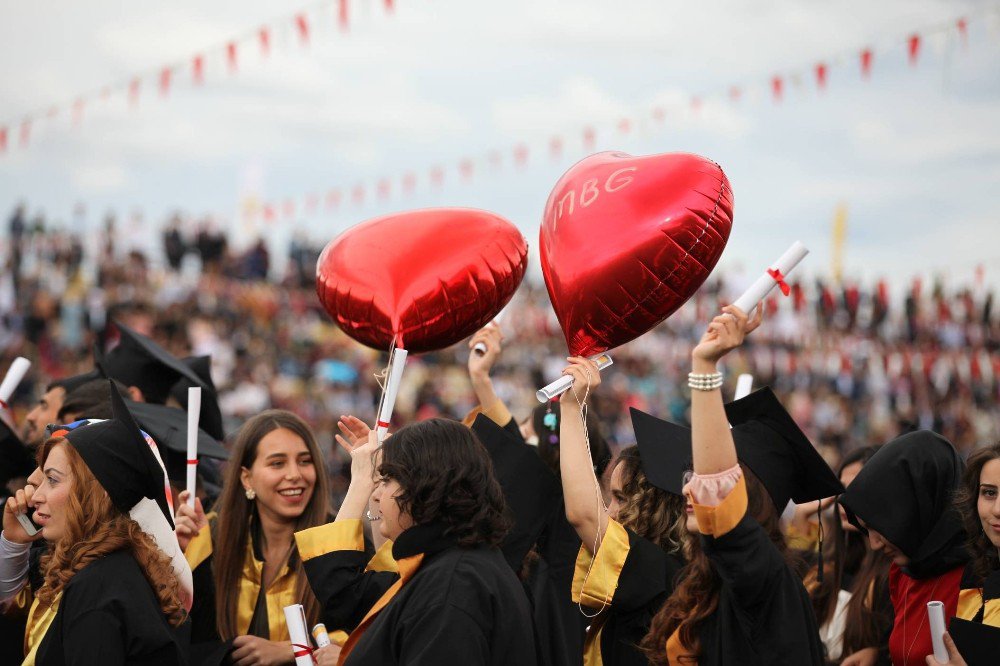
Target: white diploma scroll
935 616
563 384
772 277
396 365
295 618
194 412
744 384
13 377
480 348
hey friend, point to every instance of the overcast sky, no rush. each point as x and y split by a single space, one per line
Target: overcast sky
914 152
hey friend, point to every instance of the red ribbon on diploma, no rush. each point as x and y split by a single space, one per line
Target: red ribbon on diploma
780 279
4 405
193 462
301 650
382 424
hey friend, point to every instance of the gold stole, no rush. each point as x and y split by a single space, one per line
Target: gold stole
38 625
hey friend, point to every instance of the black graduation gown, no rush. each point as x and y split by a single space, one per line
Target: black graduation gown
452 605
534 498
109 615
630 579
764 616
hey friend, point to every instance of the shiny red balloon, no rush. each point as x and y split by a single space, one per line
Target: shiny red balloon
426 278
625 241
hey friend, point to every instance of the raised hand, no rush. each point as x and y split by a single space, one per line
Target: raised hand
188 521
586 379
354 432
492 338
725 333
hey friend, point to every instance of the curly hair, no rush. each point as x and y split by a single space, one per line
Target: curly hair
95 528
446 476
650 512
696 596
239 519
984 553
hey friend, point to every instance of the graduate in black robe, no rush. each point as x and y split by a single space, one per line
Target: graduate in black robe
738 601
454 599
107 612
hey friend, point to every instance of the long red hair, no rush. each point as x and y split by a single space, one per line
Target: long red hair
95 528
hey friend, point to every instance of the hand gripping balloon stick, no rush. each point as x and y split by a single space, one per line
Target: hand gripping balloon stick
13 377
480 348
295 619
194 412
772 277
935 617
396 363
563 384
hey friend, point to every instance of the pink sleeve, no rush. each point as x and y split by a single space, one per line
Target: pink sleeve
711 489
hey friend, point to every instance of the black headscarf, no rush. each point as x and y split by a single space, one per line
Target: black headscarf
905 493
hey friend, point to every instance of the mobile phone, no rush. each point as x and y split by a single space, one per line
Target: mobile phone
28 524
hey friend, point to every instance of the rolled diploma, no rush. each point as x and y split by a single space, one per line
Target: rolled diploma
295 618
391 390
561 385
194 412
480 348
935 615
765 283
13 377
743 385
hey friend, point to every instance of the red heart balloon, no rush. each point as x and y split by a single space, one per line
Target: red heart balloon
625 241
426 278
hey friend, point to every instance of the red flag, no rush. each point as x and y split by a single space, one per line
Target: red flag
777 85
389 6
231 56
342 15
3 139
437 176
520 154
312 201
963 31
589 137
198 69
624 125
165 81
358 194
133 91
78 110
866 62
268 213
332 199
913 48
821 75
735 93
555 147
264 37
409 182
659 114
384 187
302 23
465 168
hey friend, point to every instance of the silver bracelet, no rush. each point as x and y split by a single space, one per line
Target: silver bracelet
705 382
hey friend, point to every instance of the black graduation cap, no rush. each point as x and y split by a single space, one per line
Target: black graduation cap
70 384
210 419
978 643
767 439
168 428
138 361
15 458
120 458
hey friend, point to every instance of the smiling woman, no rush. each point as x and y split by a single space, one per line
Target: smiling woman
978 500
276 484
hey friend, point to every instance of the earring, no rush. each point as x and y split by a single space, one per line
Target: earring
251 493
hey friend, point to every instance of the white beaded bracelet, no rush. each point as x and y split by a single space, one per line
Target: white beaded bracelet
705 382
